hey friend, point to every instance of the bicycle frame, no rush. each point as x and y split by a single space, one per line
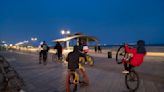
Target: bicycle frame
55 57
74 78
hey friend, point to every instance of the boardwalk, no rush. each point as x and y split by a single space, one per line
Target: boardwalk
105 76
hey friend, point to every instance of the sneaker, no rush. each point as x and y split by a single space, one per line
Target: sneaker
125 71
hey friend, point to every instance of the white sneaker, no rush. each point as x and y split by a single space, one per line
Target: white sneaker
125 71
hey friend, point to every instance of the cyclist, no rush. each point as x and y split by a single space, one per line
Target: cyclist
136 56
40 52
44 52
73 63
59 49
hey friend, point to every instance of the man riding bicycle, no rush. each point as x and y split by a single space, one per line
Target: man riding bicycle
73 63
136 56
59 49
43 53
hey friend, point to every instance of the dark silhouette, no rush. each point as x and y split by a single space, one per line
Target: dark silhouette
73 62
96 49
59 49
99 49
43 53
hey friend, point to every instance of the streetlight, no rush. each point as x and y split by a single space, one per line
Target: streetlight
62 32
33 39
68 32
65 33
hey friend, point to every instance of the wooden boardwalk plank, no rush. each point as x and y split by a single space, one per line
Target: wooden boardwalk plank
105 76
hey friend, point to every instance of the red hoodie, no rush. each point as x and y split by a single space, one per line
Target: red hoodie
137 59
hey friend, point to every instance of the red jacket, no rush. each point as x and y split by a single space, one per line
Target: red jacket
137 59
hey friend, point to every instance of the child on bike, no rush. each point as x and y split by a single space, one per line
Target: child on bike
73 63
136 56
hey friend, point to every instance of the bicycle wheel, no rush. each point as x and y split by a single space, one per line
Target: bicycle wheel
62 58
132 81
75 88
120 54
14 85
73 82
54 58
90 60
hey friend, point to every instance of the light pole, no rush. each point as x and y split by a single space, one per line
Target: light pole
65 33
33 39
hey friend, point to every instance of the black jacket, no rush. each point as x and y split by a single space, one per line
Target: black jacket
73 59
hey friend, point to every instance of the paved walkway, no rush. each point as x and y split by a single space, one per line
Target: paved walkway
105 76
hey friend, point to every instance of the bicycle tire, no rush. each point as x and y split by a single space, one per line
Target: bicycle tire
132 76
75 88
54 58
120 55
63 58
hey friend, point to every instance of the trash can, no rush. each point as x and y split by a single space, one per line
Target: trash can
109 54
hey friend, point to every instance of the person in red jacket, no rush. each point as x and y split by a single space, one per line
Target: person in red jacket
136 56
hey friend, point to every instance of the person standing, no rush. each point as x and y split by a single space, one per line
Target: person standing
99 49
95 48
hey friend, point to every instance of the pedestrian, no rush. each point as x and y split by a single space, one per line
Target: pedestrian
99 49
95 48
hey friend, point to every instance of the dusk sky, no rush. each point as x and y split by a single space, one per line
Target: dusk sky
111 21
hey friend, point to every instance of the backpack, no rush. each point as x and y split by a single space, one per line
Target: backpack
45 47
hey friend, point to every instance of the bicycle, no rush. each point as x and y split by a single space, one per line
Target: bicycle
89 60
74 80
131 79
55 58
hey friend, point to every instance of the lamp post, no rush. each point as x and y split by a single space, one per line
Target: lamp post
33 39
65 33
